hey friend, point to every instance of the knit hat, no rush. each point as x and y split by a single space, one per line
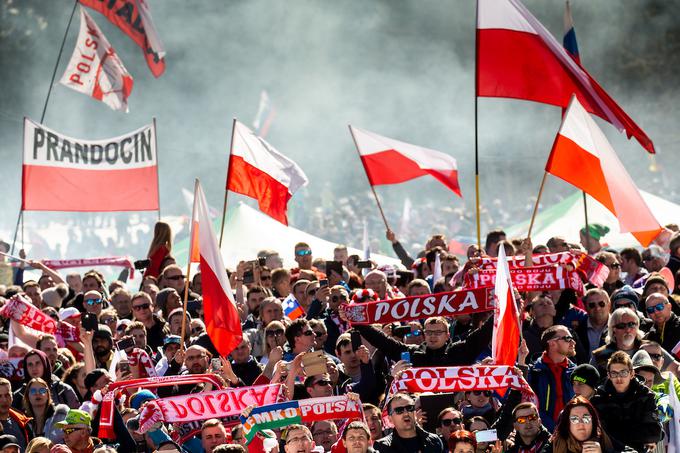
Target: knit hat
55 295
596 230
171 339
642 361
627 294
92 376
140 398
586 374
364 295
654 277
162 298
103 332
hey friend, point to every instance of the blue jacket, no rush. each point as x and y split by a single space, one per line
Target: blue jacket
543 383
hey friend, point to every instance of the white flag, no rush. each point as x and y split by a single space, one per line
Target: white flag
95 69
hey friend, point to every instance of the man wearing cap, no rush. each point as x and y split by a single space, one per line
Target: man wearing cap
78 432
9 444
585 378
171 345
666 329
591 239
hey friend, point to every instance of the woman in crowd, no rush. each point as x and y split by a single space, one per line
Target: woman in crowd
160 248
75 377
462 441
39 445
37 404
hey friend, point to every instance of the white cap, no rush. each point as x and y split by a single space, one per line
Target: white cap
69 312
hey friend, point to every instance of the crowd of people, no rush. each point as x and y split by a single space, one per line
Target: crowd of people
602 363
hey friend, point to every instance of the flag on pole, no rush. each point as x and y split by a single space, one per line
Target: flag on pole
506 332
259 171
569 39
95 69
222 321
517 57
674 423
265 115
582 156
134 19
389 161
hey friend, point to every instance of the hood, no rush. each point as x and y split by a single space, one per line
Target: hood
47 369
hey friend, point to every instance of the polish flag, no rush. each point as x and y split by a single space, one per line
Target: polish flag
222 321
389 161
259 171
518 58
582 156
506 328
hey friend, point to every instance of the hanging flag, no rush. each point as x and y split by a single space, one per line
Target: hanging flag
95 69
437 270
259 171
292 308
61 173
582 156
265 115
222 321
134 19
506 328
389 161
569 39
518 58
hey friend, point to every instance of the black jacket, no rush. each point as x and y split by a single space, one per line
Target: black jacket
392 443
462 352
631 417
541 441
671 333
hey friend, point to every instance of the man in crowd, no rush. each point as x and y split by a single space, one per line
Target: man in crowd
593 333
156 328
529 432
373 418
407 434
356 437
666 328
77 427
243 364
631 264
13 422
623 334
213 433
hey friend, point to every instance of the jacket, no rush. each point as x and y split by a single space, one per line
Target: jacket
391 443
61 392
540 442
542 381
630 417
670 336
463 352
50 431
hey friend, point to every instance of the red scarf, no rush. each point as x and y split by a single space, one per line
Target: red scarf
557 369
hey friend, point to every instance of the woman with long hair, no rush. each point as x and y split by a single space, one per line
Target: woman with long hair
37 404
159 250
579 430
39 445
75 377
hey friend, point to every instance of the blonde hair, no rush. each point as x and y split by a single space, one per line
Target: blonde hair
38 443
162 236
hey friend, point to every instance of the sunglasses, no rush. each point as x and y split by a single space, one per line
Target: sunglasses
480 393
338 298
303 252
108 320
311 292
307 333
656 356
265 277
586 419
92 302
175 277
400 410
274 333
657 307
600 304
141 307
526 419
40 391
415 333
567 338
320 334
71 430
614 266
450 421
625 325
323 382
623 304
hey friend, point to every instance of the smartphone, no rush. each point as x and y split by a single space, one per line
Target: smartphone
334 266
406 356
404 278
364 264
262 262
356 339
248 277
323 283
90 322
216 364
486 435
124 367
125 343
315 363
400 331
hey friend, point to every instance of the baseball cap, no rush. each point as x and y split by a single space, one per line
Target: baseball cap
7 440
75 419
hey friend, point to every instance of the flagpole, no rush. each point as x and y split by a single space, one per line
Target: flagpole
585 211
226 185
186 279
375 195
538 199
158 177
479 233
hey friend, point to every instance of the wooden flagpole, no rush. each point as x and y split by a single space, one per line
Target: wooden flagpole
375 195
538 200
186 279
226 183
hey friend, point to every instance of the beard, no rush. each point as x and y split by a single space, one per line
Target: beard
627 340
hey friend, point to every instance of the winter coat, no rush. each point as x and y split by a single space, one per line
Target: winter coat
430 443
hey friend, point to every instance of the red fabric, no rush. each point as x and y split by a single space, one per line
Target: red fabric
156 258
557 369
222 321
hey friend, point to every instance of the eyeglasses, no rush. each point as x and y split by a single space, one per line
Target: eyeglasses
296 440
71 430
625 325
600 304
656 356
526 419
307 333
175 277
586 419
320 334
303 252
614 266
274 333
567 338
92 302
657 307
323 382
38 391
401 409
141 307
450 421
434 333
338 298
618 374
108 320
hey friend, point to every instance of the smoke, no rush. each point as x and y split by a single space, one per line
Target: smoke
404 69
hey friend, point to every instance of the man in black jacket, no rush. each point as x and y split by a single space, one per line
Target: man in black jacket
407 436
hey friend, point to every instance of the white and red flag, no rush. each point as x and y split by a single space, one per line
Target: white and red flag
389 161
222 321
506 332
517 57
95 69
582 156
259 171
62 173
133 17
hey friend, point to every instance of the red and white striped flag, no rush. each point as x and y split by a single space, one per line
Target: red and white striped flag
222 320
505 342
95 69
